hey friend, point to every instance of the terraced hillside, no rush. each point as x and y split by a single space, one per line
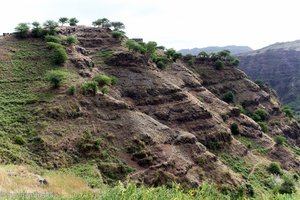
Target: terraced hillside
154 126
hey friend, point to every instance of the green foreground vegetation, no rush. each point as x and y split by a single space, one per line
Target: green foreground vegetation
132 192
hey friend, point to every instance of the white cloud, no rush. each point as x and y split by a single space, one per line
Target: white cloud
173 23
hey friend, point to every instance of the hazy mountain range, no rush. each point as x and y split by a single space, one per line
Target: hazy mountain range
279 66
232 48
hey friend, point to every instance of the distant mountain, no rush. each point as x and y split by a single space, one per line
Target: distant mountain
233 49
279 66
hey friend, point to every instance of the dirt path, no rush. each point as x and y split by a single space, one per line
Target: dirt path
254 168
261 162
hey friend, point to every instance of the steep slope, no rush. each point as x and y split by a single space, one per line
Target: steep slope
155 126
278 66
214 49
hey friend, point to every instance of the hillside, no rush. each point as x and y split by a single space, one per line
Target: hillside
154 126
214 49
278 66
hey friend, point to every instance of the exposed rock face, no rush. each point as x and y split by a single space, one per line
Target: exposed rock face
278 66
167 125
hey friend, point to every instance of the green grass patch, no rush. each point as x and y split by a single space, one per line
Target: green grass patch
22 88
251 144
237 164
102 56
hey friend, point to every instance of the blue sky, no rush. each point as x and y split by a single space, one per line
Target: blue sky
173 23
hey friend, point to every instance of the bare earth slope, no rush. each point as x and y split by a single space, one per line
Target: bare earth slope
155 126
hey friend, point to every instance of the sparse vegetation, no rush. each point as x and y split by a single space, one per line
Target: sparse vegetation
73 21
72 90
52 38
288 111
103 22
219 65
104 90
173 55
275 123
228 97
117 25
89 87
234 129
22 30
135 46
51 27
288 186
280 140
118 34
19 140
103 80
71 40
250 143
37 31
262 113
63 20
274 168
160 61
264 126
59 53
56 77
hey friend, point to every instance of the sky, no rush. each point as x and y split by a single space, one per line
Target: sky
173 23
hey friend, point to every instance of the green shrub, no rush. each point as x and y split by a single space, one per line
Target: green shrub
18 139
234 129
135 46
160 61
263 114
89 87
90 173
161 47
150 47
235 63
117 25
228 97
59 53
242 109
103 80
264 127
71 90
63 20
118 34
173 55
219 65
275 123
114 80
104 90
52 38
56 77
60 56
71 40
22 30
274 168
280 140
50 27
288 111
73 21
53 45
37 31
253 116
288 186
